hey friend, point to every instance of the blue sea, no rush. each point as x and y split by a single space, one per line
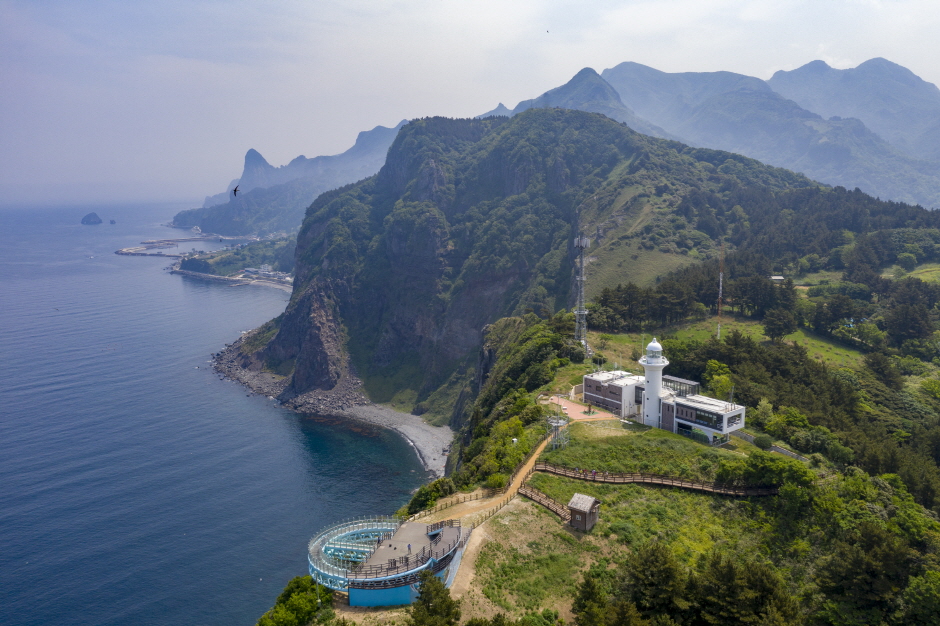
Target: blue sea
136 486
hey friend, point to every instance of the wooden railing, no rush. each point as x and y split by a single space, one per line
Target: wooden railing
654 479
450 501
554 506
402 564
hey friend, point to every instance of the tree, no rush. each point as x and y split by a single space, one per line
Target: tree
434 606
778 323
734 592
654 581
763 414
884 369
861 579
920 602
907 261
591 606
299 603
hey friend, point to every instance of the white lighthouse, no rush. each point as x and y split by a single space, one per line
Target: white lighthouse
653 363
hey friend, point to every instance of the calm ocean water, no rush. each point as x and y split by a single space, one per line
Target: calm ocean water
135 486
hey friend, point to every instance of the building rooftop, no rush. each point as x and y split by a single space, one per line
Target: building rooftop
709 404
679 380
581 502
615 377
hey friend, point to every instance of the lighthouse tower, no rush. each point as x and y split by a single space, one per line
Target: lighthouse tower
653 363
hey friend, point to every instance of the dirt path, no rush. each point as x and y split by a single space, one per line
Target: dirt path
465 510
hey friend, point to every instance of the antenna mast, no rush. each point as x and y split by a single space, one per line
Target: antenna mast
580 313
721 281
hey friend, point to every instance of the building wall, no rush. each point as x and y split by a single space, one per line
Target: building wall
394 596
383 597
583 520
668 419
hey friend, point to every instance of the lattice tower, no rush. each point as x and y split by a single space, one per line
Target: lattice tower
558 431
580 313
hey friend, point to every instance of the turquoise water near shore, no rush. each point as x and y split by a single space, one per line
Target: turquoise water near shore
136 487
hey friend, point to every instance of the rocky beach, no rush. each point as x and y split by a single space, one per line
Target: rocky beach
345 401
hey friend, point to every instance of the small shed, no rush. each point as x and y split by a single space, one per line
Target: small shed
583 510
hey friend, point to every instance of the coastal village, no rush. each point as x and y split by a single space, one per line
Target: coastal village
263 275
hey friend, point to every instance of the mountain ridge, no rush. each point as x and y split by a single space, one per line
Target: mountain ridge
744 114
890 99
272 199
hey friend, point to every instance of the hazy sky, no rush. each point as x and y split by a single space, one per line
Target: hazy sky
105 101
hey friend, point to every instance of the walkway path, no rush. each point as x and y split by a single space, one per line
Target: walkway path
652 479
477 507
576 411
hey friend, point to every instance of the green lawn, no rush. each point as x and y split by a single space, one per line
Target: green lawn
631 514
818 278
651 451
929 272
822 348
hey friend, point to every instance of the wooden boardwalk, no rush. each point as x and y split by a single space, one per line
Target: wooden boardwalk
554 506
653 479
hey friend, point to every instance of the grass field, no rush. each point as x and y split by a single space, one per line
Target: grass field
651 451
619 262
818 278
929 272
822 348
620 349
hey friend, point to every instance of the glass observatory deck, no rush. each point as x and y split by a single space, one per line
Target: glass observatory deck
377 559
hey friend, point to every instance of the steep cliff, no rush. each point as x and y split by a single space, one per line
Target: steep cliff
468 221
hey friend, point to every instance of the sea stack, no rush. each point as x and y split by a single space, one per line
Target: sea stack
91 219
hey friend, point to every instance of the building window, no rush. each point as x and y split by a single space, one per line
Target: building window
577 517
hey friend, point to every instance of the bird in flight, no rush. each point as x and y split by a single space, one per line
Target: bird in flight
235 191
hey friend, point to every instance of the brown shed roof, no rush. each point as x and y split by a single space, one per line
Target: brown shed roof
581 502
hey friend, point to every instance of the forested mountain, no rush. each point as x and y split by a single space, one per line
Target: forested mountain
472 220
587 91
272 199
743 114
890 99
406 280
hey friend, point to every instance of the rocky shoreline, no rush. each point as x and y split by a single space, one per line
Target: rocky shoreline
344 401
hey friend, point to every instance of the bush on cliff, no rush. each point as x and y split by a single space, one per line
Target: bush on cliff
427 495
302 602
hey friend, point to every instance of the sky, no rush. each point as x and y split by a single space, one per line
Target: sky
117 101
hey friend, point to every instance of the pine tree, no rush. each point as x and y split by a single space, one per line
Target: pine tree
654 581
434 606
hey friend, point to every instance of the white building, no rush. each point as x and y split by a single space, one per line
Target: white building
665 402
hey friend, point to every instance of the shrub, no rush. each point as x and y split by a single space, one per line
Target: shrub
427 495
496 481
764 442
